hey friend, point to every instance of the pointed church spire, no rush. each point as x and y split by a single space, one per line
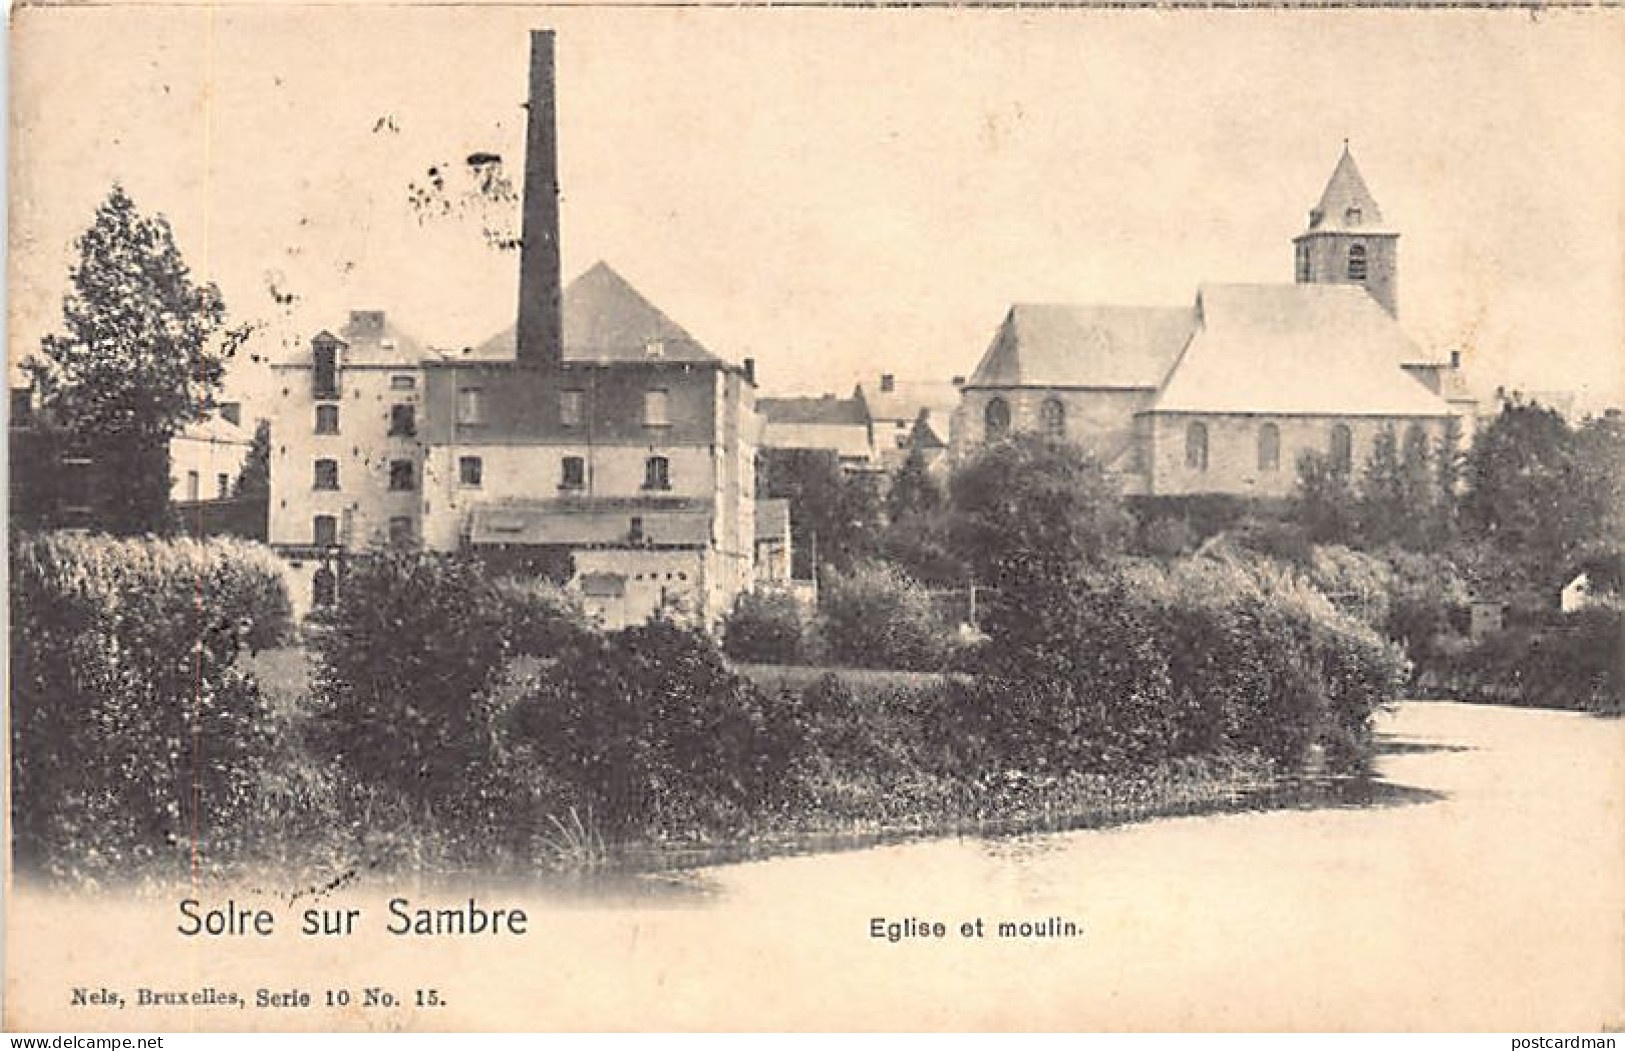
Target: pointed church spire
1346 204
1346 242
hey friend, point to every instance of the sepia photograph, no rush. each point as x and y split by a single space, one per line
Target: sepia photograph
820 518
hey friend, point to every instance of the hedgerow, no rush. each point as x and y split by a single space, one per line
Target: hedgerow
137 742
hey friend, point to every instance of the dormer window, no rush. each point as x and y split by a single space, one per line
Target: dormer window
654 348
325 371
1351 217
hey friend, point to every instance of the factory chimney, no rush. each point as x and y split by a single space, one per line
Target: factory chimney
540 331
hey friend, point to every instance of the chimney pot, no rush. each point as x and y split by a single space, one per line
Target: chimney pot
750 370
1455 359
888 383
959 381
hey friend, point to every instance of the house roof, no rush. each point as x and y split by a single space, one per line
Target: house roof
773 519
1306 349
215 429
825 410
1056 345
606 321
907 397
1346 205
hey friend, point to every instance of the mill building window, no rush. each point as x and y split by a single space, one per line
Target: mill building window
403 421
400 531
570 403
657 473
324 530
470 472
656 409
402 476
326 475
470 406
573 473
327 419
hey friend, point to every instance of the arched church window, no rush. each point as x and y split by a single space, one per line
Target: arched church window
1357 267
1196 446
1052 414
1342 448
997 418
1416 446
1269 447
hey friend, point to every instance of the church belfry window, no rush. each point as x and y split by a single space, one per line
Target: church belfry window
1303 263
1357 264
997 418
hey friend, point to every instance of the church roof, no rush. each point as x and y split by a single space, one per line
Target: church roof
1305 349
1346 205
606 321
1056 345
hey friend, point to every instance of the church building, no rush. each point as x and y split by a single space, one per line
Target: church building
1224 395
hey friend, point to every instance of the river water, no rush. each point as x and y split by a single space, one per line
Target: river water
1481 887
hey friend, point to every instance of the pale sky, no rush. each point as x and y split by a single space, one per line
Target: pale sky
839 193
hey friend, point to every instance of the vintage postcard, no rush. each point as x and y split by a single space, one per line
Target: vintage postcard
645 517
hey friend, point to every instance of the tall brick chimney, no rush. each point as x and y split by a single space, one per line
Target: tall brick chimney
540 332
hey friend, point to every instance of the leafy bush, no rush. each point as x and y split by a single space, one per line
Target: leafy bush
135 736
649 729
767 627
876 617
400 678
1573 663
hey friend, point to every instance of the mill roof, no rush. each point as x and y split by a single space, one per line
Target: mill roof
606 321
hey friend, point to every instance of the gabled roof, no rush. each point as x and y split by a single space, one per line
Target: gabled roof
1307 349
1052 345
606 321
827 410
907 397
1346 205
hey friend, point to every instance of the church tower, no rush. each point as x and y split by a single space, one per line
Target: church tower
1347 242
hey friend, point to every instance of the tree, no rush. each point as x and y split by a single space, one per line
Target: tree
254 481
1324 504
1026 509
1526 495
832 513
142 352
913 492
